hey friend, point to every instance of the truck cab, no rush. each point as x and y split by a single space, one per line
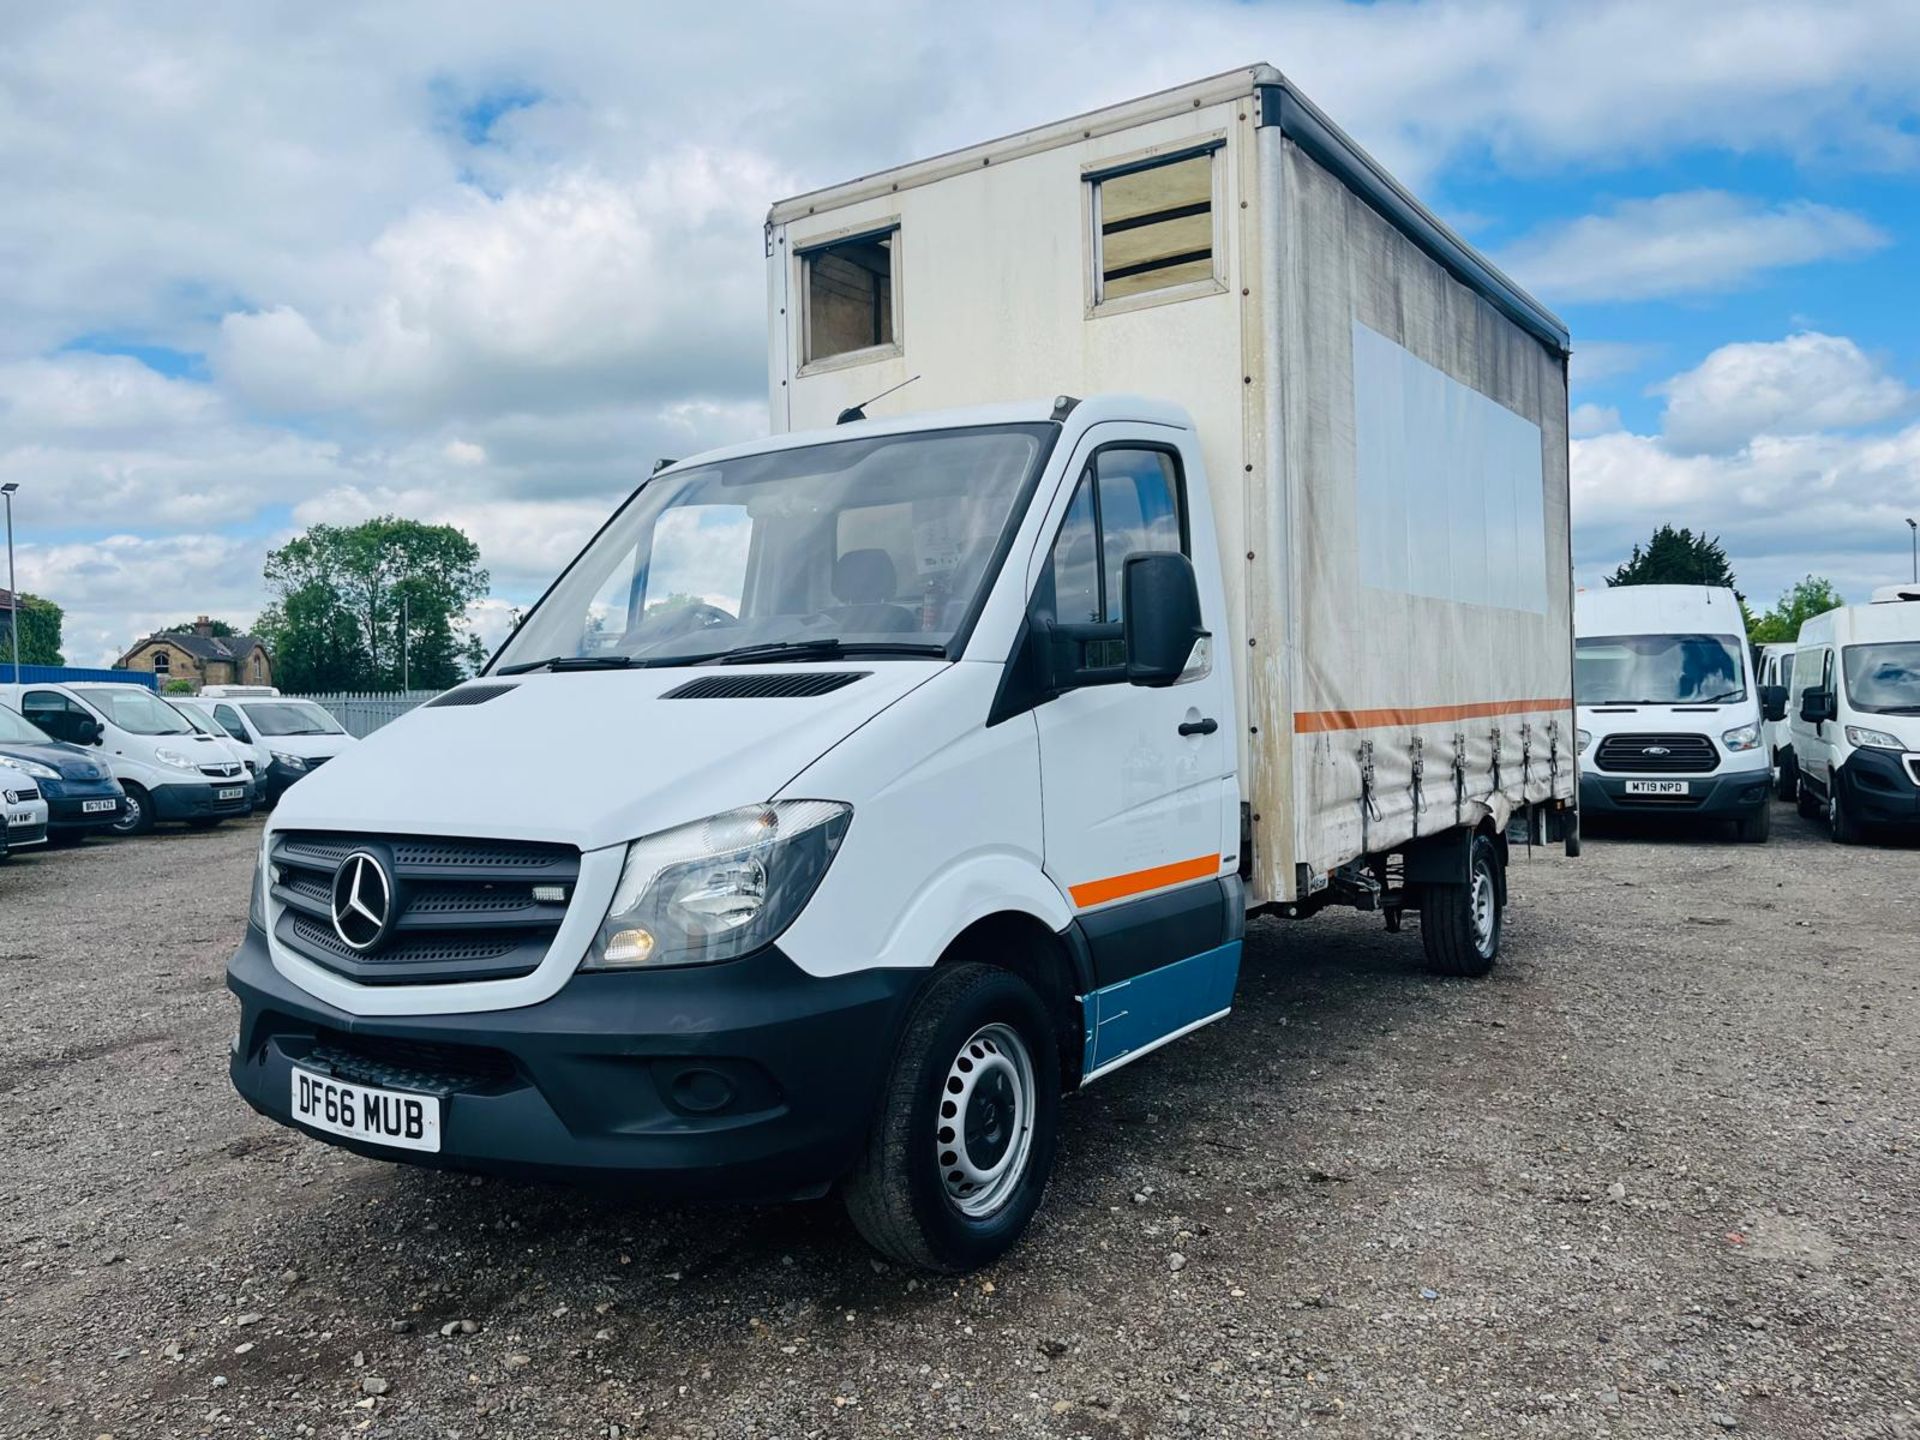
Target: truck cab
1671 713
1856 716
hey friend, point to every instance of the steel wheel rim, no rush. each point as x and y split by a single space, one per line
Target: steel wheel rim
1482 901
129 816
983 1126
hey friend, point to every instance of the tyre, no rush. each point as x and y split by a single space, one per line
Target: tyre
136 816
1841 825
1460 924
1787 786
1807 803
1755 829
964 1137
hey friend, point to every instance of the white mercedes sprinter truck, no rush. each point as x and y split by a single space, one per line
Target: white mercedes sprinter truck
1671 714
1776 668
932 762
1856 728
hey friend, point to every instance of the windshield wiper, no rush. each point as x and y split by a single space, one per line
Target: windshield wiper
568 662
825 647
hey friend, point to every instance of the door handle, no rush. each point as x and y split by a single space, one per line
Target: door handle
1199 727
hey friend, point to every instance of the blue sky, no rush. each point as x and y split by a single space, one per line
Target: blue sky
267 266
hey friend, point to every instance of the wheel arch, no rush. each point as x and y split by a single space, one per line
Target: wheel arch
1057 968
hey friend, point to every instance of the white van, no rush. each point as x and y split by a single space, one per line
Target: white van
23 810
1671 714
289 739
929 765
1776 670
152 749
1856 728
212 740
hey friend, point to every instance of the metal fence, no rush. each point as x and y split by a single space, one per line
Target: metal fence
361 715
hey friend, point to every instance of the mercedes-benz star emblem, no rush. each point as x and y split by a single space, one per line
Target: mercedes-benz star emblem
362 901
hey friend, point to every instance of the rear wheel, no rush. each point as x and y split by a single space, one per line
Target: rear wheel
1787 785
1806 802
1755 828
136 815
1460 924
963 1143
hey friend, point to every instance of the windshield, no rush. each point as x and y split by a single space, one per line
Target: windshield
1884 679
138 713
196 717
291 717
882 542
1658 670
16 730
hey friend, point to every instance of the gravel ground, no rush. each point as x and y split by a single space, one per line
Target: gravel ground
1655 1177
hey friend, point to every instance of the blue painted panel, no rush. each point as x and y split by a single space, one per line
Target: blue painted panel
60 674
1134 1013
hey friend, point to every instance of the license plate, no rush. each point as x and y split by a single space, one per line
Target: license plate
232 794
360 1112
98 807
24 817
1658 787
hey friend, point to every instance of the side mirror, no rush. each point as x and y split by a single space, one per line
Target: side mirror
1160 601
1773 701
1816 705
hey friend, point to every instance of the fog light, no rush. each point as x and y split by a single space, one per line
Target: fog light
553 895
628 947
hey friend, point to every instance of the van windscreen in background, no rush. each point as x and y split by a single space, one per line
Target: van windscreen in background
878 546
283 717
1658 670
137 712
1884 679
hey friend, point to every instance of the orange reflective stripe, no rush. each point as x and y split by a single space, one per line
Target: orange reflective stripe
1311 722
1118 887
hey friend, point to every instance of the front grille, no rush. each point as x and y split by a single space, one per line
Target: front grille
21 796
397 1064
461 909
226 770
1684 755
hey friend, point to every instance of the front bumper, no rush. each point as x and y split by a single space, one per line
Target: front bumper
66 812
1877 788
1726 796
193 799
20 837
749 1080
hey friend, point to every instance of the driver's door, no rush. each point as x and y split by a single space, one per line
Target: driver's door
1137 783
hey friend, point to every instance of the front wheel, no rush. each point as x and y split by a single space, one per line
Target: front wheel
1460 924
136 816
1787 783
1841 825
1755 828
964 1139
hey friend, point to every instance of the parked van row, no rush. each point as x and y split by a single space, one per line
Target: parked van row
1678 715
107 757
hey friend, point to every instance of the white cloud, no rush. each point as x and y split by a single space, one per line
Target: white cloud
1691 243
1592 419
1806 383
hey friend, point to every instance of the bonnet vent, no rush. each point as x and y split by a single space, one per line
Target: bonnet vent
469 695
790 686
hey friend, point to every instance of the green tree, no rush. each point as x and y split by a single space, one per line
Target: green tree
1812 596
339 595
219 627
1677 557
39 621
177 687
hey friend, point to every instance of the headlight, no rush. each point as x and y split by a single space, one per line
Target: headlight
1747 737
292 762
1864 739
257 903
718 888
173 758
1581 739
36 769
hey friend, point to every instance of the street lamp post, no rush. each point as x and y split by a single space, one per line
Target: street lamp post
13 590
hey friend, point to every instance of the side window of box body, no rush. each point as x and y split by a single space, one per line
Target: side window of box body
849 299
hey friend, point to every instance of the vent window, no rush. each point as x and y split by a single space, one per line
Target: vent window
1153 228
852 290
